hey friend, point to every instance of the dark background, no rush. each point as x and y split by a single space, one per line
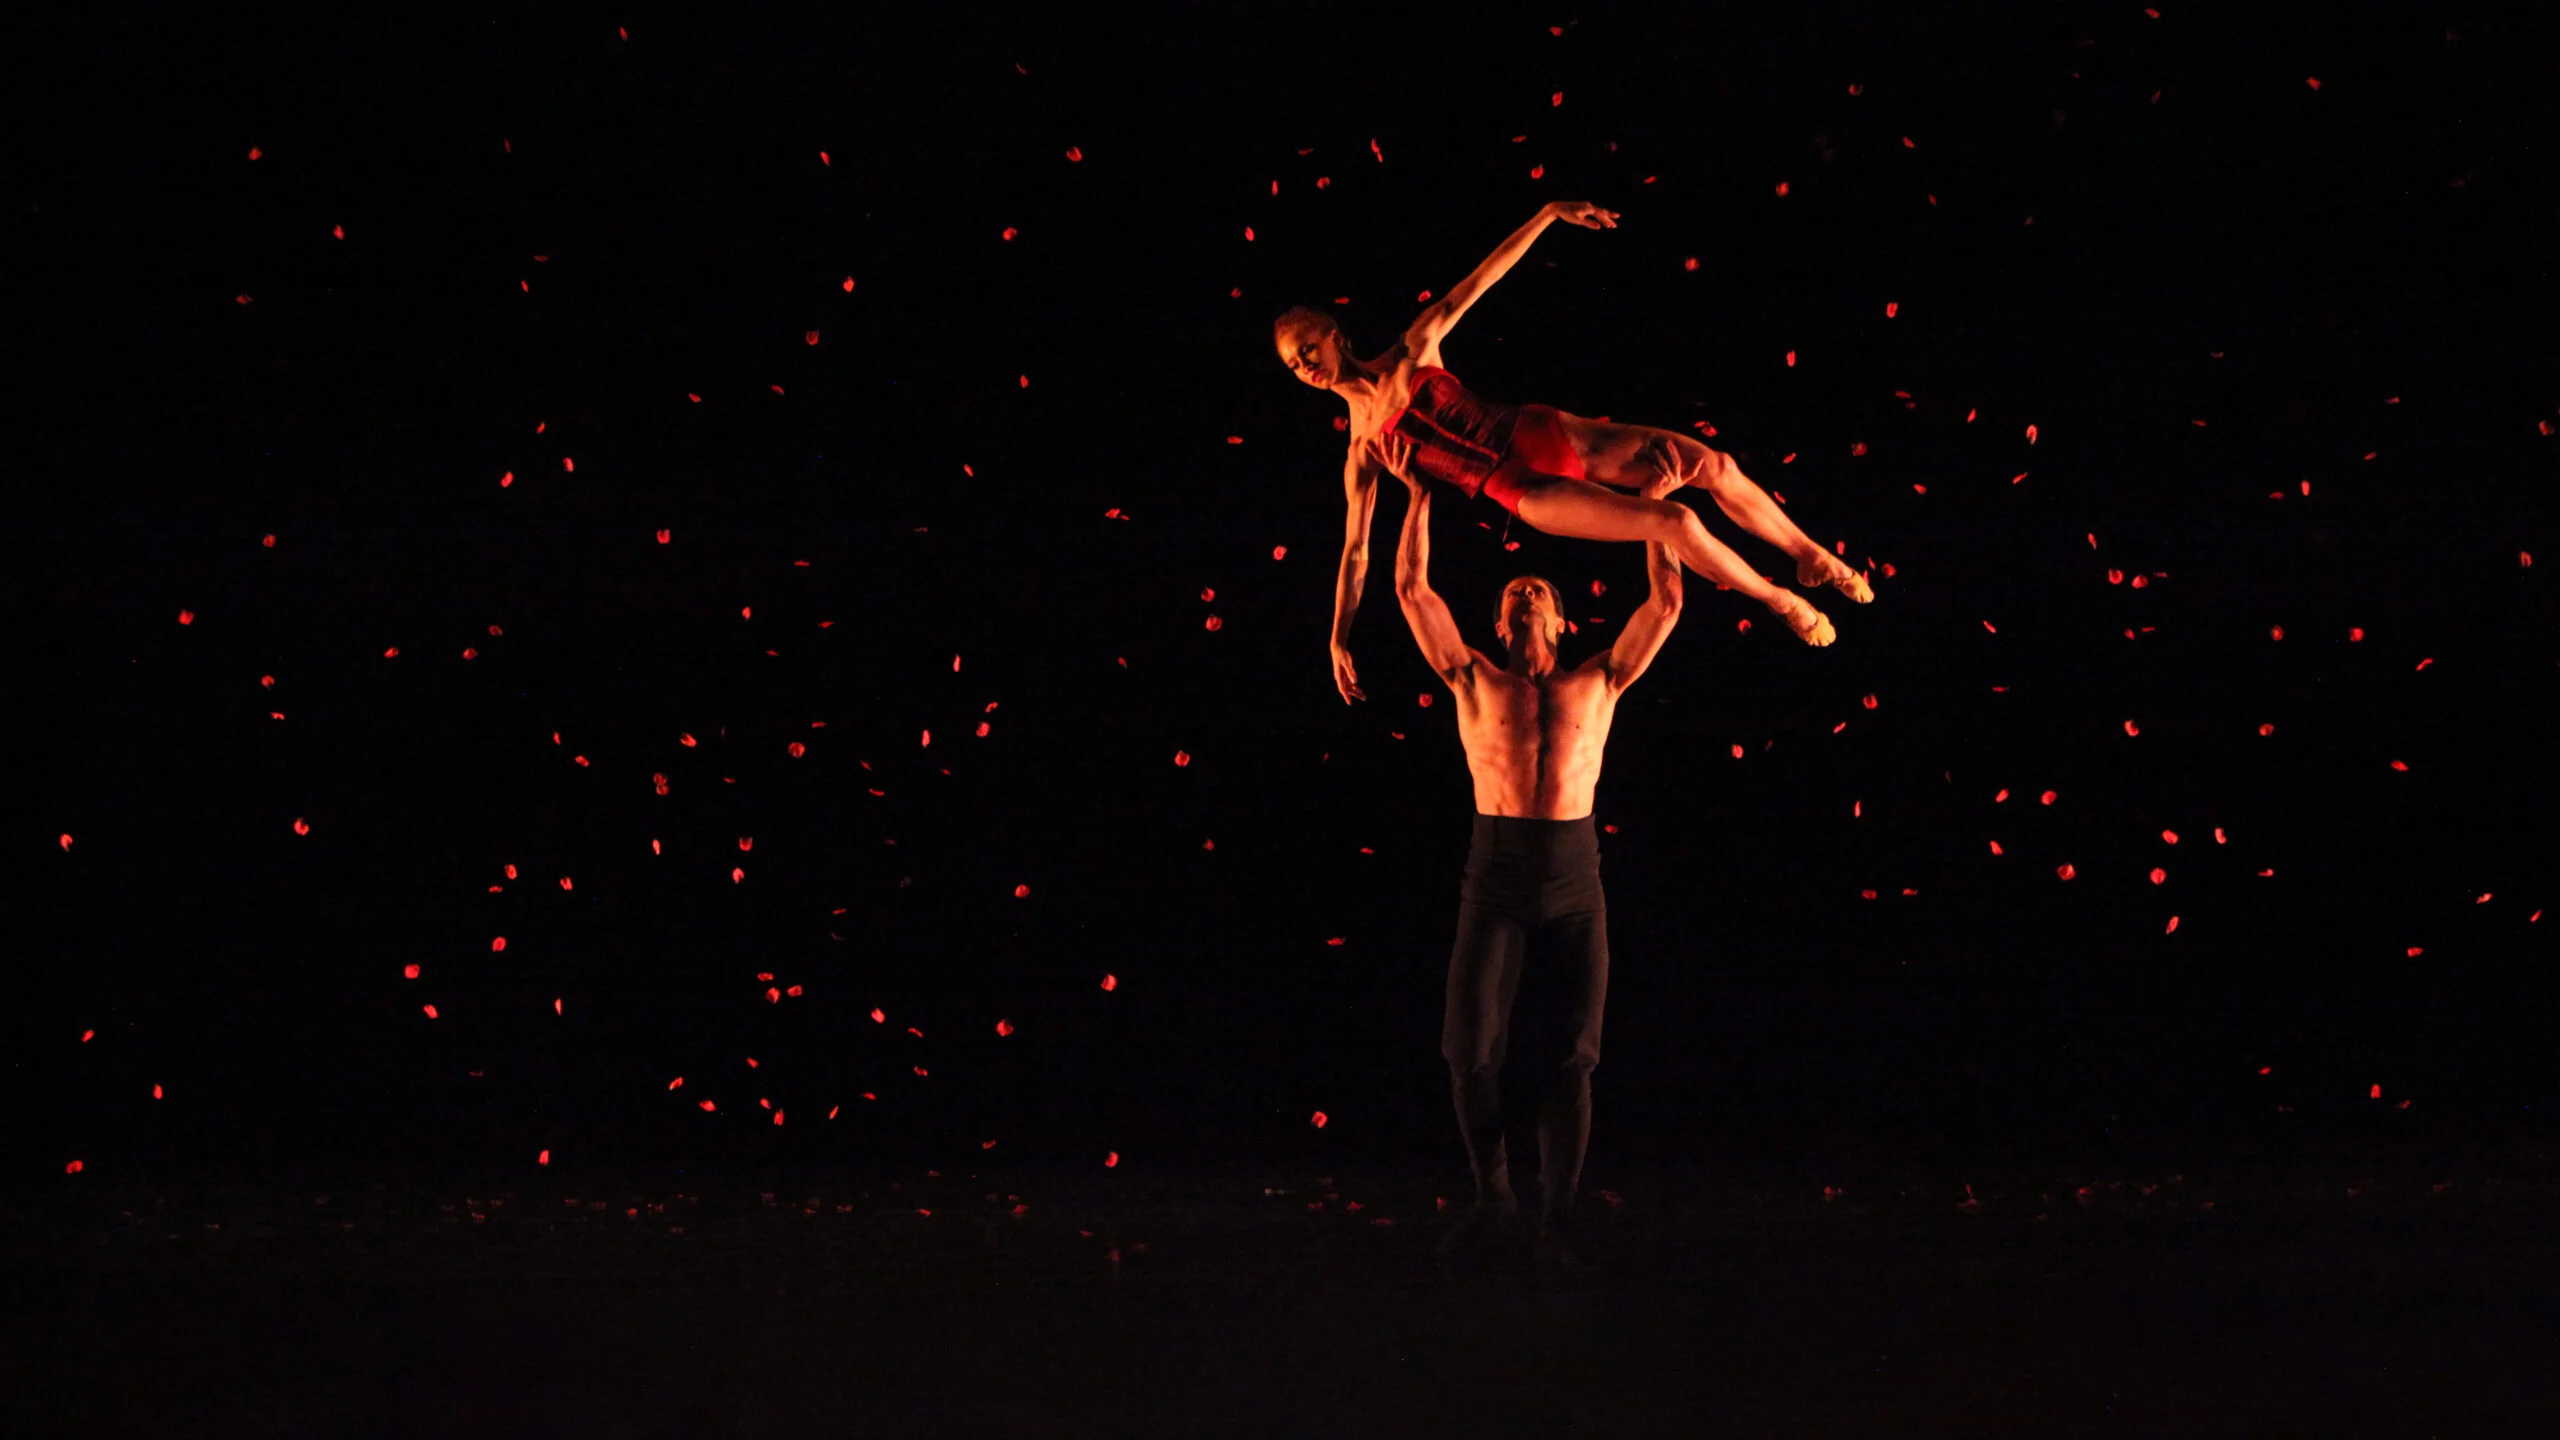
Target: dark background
555 237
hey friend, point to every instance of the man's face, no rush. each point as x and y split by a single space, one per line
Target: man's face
1313 355
1530 607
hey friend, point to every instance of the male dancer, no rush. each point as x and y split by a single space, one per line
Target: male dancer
1533 735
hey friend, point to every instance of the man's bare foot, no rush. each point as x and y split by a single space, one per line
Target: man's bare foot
1820 567
1558 1252
1811 625
1482 1230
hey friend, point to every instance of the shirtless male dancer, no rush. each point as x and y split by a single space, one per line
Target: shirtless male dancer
1533 734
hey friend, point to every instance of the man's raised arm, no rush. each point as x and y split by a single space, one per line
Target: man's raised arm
1652 622
1450 657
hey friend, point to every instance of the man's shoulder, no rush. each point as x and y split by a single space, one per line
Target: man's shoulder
1594 681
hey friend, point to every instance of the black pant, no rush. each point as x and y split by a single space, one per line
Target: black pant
1531 905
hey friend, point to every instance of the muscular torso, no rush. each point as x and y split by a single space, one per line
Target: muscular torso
1534 745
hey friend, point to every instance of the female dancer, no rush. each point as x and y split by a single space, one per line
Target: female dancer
1552 469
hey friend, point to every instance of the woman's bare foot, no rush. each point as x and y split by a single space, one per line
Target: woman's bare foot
1820 567
1811 625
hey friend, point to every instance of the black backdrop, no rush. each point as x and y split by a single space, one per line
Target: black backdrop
607 238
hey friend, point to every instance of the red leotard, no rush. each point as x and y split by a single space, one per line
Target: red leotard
1500 451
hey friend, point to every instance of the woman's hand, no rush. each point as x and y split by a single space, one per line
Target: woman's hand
1584 214
1345 678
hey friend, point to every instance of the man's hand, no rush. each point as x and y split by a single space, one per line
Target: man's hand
1667 476
1584 214
1345 678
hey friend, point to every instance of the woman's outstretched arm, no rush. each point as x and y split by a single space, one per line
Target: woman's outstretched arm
1360 502
1443 313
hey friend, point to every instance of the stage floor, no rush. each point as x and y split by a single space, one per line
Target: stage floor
2302 1298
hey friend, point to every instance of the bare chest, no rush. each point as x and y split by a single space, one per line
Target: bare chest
1556 713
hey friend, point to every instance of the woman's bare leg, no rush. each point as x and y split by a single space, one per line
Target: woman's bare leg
1629 456
1581 510
1752 508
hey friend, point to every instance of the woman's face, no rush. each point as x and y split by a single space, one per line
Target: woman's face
1314 355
